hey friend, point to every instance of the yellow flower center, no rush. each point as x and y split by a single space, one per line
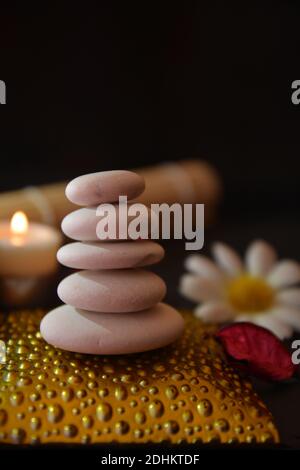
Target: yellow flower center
250 294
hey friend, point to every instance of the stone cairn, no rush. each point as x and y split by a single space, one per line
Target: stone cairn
113 305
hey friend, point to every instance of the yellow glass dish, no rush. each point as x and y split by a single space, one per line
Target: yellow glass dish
186 392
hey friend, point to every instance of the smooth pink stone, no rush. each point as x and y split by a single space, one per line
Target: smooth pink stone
126 290
110 255
101 333
81 224
105 186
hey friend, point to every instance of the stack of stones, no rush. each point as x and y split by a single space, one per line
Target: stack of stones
113 305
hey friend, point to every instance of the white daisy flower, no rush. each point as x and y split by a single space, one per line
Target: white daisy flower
262 290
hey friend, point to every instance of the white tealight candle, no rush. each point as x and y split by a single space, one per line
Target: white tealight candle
27 249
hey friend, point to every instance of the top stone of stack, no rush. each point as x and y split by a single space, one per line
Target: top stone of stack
104 186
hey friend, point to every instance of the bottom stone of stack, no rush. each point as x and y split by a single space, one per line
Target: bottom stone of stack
88 332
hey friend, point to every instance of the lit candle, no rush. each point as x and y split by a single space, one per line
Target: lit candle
27 249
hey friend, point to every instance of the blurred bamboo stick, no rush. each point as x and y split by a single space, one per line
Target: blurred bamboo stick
187 181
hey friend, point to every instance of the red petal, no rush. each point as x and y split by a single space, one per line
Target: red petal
264 355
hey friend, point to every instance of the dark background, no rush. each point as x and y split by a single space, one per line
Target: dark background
92 88
117 86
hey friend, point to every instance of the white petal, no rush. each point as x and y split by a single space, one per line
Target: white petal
288 315
228 260
269 321
214 311
260 257
199 289
244 317
284 273
289 297
203 266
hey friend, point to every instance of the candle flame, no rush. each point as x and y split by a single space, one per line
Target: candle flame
19 223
